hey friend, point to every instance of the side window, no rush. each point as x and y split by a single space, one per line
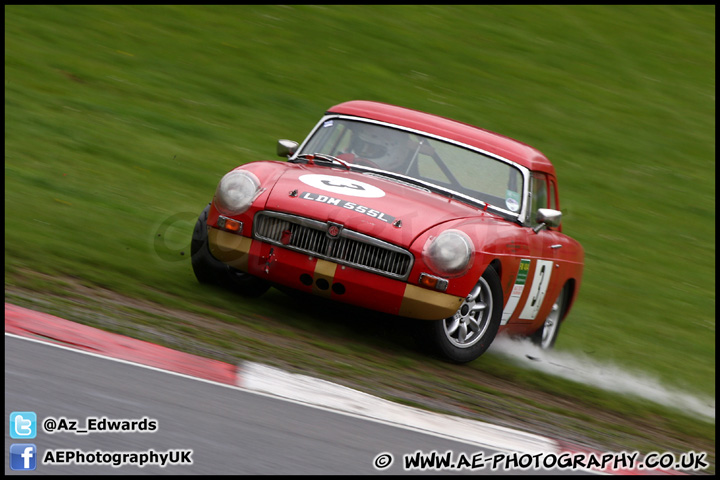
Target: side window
554 204
539 195
553 196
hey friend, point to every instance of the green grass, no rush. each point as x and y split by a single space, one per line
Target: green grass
119 121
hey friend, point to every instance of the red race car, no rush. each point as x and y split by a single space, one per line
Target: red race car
406 213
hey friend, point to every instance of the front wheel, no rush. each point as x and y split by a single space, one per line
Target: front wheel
470 331
210 270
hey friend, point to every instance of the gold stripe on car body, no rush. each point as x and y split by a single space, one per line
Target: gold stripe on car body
230 248
324 270
425 304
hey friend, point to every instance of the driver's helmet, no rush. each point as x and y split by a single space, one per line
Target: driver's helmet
384 146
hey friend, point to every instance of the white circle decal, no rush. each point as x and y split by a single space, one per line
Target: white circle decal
342 186
512 204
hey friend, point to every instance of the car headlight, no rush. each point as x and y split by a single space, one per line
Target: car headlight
450 253
236 192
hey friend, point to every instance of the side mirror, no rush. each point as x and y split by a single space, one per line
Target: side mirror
286 148
547 217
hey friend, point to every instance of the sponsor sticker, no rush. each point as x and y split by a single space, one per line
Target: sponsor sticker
516 291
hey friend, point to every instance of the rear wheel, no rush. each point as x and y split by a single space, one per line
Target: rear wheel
546 335
210 270
470 331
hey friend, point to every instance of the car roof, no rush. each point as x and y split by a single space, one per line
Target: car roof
486 140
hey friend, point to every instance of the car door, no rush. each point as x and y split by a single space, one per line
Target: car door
544 245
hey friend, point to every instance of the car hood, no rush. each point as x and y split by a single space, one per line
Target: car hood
364 202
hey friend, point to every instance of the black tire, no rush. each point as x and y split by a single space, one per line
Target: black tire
468 334
211 271
547 334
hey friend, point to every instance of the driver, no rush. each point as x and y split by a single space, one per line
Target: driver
384 147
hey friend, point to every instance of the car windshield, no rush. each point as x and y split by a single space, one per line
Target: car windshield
423 158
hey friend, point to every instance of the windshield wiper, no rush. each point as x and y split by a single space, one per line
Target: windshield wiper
311 158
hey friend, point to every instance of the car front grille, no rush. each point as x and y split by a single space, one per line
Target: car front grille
333 242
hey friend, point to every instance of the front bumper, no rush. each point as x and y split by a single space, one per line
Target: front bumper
344 283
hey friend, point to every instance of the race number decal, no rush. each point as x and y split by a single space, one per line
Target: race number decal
516 291
342 186
541 280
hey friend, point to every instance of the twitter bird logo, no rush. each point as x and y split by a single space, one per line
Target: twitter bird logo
23 425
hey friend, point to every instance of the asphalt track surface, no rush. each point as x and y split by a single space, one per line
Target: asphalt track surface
229 431
202 410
